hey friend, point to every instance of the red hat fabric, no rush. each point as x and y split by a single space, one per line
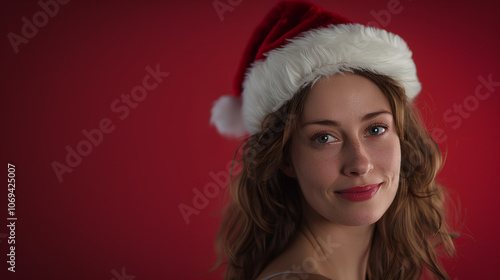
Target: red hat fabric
296 44
284 22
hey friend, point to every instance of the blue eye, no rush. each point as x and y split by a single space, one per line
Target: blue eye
376 130
325 138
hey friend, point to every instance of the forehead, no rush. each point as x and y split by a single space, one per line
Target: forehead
344 96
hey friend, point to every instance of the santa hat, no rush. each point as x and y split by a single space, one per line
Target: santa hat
297 43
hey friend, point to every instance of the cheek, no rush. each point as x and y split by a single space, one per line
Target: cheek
314 169
387 159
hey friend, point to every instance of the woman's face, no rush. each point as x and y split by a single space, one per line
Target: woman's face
345 152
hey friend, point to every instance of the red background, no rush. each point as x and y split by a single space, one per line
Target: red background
119 207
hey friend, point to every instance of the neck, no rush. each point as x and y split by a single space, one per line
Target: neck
340 252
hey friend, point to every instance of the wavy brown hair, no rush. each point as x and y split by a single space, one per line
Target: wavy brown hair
266 209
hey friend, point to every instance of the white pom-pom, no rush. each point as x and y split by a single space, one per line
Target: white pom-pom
227 116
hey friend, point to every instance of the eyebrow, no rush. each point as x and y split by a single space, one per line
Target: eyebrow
365 118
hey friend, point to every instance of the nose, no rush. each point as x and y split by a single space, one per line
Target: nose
356 161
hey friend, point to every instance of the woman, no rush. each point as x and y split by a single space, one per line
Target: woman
338 174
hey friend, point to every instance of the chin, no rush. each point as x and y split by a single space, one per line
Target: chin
360 217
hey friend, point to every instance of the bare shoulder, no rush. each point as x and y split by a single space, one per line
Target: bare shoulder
298 276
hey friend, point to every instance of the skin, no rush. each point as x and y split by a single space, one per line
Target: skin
346 137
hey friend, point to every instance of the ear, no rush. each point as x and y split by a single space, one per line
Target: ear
288 169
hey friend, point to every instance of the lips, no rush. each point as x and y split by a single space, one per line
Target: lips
359 193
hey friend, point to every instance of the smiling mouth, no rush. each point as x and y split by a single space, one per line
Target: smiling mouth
361 193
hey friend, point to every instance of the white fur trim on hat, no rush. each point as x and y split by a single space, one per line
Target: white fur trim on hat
317 53
227 116
324 52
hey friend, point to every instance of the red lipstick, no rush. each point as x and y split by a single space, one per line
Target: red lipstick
359 193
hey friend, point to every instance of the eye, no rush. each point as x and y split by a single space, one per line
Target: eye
325 138
376 130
